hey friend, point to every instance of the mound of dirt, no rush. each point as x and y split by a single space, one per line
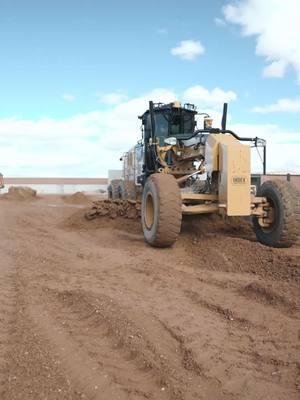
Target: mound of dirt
20 193
113 209
79 221
77 198
215 223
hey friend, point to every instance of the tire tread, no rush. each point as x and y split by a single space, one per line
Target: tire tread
290 197
170 213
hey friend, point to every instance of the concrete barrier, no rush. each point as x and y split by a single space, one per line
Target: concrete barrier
58 185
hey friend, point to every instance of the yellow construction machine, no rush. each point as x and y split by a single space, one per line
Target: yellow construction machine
178 169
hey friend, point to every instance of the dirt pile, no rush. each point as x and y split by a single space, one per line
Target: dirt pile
20 193
113 209
77 198
203 225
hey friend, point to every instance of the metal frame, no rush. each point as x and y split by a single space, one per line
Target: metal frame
208 203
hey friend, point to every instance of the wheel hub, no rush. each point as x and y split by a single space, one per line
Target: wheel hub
149 211
267 222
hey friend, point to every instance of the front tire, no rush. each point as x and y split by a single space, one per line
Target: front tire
284 201
161 210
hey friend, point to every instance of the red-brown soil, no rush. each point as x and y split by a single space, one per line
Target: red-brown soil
89 311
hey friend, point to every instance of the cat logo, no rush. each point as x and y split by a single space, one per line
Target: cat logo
239 180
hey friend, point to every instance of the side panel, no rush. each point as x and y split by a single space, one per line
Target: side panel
227 155
212 150
235 178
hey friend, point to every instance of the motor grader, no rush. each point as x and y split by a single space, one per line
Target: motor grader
177 169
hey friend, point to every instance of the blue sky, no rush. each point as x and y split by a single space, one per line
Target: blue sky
69 60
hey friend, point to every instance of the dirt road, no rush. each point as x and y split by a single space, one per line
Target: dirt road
89 311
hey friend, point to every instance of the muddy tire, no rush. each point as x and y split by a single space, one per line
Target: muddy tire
122 193
109 192
285 200
161 210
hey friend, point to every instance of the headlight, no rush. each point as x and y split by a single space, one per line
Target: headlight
172 141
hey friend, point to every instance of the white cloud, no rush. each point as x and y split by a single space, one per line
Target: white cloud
68 97
206 98
283 146
275 24
276 69
209 101
91 143
83 145
282 105
112 98
188 49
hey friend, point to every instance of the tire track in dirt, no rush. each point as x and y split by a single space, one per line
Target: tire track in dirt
163 277
169 276
91 377
7 301
135 348
31 368
166 278
238 330
104 342
7 314
164 378
149 319
76 364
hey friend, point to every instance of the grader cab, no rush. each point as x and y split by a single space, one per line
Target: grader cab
177 169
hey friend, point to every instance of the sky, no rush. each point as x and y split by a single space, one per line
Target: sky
74 76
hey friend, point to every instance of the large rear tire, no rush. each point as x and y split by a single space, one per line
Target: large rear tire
113 189
161 210
284 200
109 192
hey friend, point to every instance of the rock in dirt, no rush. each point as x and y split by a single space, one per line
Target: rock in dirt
114 209
20 193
